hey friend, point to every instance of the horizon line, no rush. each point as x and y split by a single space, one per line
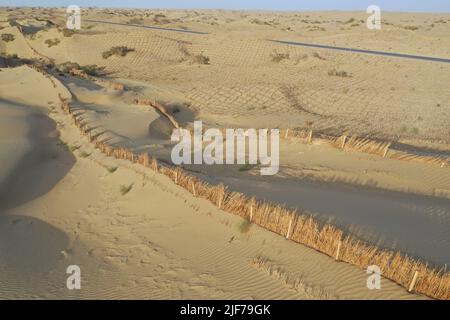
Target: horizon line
230 9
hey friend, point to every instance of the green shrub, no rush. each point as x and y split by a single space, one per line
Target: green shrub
120 51
92 70
341 73
52 42
201 59
111 169
8 37
246 167
412 28
67 66
125 189
349 21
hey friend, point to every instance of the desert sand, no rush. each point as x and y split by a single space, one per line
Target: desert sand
157 241
135 234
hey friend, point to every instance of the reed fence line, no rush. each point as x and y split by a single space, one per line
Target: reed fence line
295 226
414 275
365 145
160 108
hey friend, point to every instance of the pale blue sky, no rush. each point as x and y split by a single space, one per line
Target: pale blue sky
297 5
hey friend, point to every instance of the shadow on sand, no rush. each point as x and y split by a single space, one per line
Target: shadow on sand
44 164
30 245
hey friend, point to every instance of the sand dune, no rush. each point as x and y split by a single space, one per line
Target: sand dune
157 241
367 212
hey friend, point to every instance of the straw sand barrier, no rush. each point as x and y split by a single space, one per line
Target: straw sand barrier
414 275
365 145
296 226
160 108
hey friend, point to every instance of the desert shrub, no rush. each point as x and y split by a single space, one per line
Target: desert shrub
246 167
73 148
259 22
13 60
67 32
316 28
318 56
278 56
351 20
7 37
84 154
341 73
125 189
160 19
92 70
67 66
412 28
111 169
52 42
120 51
9 56
201 59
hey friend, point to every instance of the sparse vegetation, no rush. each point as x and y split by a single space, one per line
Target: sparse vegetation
259 22
8 37
92 70
278 56
246 167
119 51
318 56
351 20
201 59
316 28
412 28
73 148
12 60
339 73
111 169
52 42
125 189
84 154
68 66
